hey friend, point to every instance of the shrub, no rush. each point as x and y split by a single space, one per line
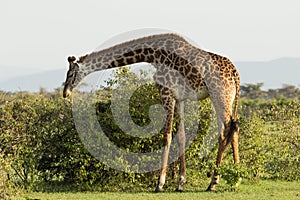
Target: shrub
40 145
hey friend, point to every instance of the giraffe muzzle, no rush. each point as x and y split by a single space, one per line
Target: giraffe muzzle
67 93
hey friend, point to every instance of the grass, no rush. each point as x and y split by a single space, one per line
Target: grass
259 190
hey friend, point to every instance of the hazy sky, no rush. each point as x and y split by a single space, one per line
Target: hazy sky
41 34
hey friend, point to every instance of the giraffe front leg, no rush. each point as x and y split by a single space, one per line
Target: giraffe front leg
162 177
181 139
169 104
182 174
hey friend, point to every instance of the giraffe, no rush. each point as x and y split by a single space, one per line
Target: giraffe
207 74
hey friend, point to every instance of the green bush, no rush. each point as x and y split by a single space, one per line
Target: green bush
40 133
7 186
41 147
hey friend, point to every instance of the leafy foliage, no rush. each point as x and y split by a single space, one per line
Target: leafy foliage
40 146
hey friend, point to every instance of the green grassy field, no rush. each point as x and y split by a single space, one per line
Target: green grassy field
257 191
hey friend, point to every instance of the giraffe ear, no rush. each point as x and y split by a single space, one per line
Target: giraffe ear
71 59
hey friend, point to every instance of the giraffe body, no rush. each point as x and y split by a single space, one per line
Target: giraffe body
183 71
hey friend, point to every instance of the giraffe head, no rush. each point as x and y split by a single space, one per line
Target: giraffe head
72 77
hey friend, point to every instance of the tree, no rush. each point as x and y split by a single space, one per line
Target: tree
252 91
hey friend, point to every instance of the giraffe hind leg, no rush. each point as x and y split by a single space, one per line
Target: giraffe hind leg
228 135
235 142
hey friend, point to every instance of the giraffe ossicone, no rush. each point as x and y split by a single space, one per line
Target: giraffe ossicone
183 72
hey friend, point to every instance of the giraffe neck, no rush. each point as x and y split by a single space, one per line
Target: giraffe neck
156 49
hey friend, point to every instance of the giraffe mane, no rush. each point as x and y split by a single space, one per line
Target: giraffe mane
82 58
131 42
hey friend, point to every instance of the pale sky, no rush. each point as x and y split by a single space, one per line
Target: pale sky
41 34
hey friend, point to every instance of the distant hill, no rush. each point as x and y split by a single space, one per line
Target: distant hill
32 83
10 72
273 74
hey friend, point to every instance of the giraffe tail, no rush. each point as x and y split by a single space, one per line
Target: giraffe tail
237 94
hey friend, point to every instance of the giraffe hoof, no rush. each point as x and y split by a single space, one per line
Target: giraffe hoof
179 190
211 188
158 190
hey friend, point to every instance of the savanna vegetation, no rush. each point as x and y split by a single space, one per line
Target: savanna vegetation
40 150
